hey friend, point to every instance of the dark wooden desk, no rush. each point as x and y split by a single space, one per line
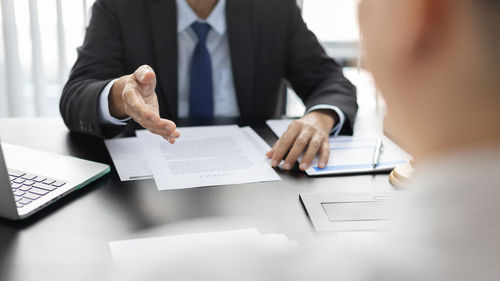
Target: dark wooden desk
69 239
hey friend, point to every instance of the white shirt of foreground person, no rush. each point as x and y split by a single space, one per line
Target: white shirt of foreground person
226 104
449 230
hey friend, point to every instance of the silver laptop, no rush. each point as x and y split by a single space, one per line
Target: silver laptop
31 179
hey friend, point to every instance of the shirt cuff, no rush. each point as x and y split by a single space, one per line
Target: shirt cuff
336 130
104 114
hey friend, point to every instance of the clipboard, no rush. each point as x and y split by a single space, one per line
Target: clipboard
340 212
351 154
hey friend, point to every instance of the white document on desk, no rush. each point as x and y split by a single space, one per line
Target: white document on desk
129 158
351 154
205 156
161 249
130 161
260 145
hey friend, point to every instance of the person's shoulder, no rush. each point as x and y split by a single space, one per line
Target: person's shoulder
125 8
124 2
283 5
121 4
467 179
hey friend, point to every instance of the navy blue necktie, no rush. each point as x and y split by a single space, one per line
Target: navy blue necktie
201 100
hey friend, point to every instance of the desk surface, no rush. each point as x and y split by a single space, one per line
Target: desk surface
69 239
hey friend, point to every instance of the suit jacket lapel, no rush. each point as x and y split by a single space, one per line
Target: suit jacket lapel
242 53
164 29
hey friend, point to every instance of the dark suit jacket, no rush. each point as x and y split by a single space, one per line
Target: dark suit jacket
269 43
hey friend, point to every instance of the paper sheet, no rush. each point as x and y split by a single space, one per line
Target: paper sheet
205 156
260 145
160 247
129 158
351 154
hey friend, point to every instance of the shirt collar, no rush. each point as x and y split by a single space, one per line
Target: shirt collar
186 16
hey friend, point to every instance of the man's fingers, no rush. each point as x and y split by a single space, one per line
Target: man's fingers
175 134
297 149
163 131
160 124
137 107
324 154
167 135
283 144
147 118
144 74
312 150
133 101
270 153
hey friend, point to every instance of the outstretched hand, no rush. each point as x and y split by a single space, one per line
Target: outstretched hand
134 95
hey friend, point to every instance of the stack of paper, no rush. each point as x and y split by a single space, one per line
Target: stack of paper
351 154
203 156
129 158
131 251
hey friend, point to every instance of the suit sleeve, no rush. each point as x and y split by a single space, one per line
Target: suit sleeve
315 76
100 60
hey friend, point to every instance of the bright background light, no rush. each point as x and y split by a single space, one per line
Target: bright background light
332 20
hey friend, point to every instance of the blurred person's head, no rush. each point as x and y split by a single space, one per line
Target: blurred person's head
437 63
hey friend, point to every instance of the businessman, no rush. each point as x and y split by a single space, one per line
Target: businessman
150 62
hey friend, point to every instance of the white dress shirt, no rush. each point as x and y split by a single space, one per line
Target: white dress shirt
225 103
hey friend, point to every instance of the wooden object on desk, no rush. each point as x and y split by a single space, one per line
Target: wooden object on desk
401 175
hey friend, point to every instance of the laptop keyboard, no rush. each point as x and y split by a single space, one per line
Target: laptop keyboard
29 187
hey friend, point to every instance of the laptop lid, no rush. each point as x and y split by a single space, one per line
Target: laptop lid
74 172
8 207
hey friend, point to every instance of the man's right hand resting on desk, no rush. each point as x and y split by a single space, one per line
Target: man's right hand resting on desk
134 96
